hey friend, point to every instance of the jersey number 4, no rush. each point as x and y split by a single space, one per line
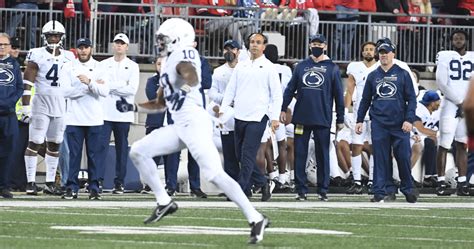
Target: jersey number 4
52 75
460 70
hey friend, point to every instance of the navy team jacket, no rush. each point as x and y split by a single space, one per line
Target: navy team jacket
392 97
11 85
317 85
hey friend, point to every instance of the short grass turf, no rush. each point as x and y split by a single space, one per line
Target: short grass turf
370 227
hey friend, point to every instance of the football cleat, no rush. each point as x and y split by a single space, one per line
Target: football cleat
69 195
256 233
31 188
355 189
462 189
323 197
198 193
301 197
442 189
118 189
391 197
162 211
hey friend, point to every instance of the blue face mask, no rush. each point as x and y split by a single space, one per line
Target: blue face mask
317 51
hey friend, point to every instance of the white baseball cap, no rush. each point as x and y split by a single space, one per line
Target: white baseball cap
122 37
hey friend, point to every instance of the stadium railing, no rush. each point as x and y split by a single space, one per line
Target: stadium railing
417 43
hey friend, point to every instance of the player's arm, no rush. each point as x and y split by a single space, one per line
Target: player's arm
468 107
28 80
188 71
152 106
428 132
349 91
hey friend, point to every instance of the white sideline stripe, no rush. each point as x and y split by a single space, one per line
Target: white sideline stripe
225 204
415 239
191 230
292 222
416 216
30 238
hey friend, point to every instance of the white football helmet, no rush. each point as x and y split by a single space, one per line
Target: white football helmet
172 34
53 28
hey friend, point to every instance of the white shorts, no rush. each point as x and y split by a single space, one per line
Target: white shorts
364 136
344 134
43 126
195 134
450 127
290 130
280 134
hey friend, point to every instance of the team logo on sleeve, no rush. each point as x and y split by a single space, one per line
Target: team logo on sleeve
6 77
313 79
386 89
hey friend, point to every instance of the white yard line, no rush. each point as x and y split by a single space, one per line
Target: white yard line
225 204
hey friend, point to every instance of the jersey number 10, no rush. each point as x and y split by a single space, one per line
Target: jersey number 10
460 70
52 75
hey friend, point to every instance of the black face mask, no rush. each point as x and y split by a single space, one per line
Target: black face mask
316 51
229 56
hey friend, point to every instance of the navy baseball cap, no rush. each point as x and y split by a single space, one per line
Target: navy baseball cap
231 43
317 38
429 97
385 47
83 42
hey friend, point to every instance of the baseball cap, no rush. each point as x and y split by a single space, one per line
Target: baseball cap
15 42
385 47
83 42
317 38
122 37
429 97
231 43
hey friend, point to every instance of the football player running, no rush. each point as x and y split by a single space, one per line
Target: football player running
46 113
192 128
452 76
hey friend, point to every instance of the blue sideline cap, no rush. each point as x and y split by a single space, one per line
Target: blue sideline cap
83 42
231 43
429 97
385 47
317 38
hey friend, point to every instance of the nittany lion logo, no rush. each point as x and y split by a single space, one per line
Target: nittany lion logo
386 89
6 77
313 79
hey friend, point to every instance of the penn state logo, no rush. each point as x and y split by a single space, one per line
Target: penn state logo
313 79
6 77
386 89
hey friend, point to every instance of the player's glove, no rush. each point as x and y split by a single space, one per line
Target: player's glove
177 98
123 106
460 112
25 114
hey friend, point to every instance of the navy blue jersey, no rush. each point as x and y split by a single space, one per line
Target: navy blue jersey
11 85
390 96
318 85
152 85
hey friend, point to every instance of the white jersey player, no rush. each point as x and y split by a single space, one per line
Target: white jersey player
49 106
192 128
358 72
452 76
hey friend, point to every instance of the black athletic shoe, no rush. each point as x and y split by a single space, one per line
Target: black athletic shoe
267 190
94 195
162 211
391 197
51 189
31 188
146 189
462 189
198 193
301 197
370 190
171 192
411 198
430 182
377 199
5 193
355 189
256 233
323 197
442 189
118 189
69 195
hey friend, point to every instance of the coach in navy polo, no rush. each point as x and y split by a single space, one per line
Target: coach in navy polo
317 80
391 97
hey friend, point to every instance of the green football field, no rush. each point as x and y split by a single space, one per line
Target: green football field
343 222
